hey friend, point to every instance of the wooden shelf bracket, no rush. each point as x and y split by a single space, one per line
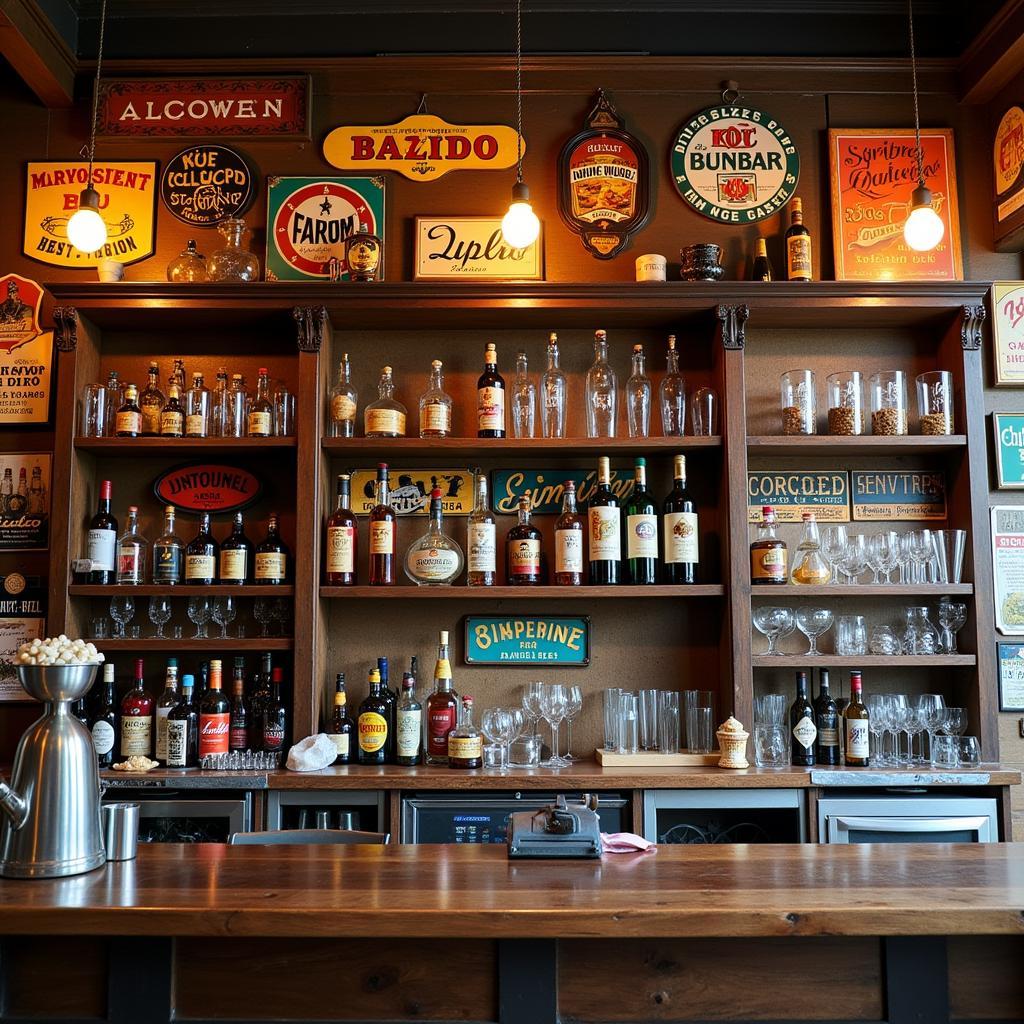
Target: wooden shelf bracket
732 325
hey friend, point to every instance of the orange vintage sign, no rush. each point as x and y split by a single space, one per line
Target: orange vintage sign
26 353
874 173
422 147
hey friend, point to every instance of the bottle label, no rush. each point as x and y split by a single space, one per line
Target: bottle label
136 735
440 722
129 423
524 557
373 731
170 422
271 565
385 421
341 743
436 416
768 564
798 256
410 729
828 736
129 565
605 543
177 743
805 732
103 737
238 737
680 537
382 538
465 748
151 418
166 564
273 735
160 753
857 737
642 536
100 546
341 549
195 425
435 565
569 551
483 547
213 733
259 423
490 407
200 567
232 563
343 409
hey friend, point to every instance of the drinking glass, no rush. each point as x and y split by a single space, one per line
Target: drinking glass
771 745
888 542
970 751
668 722
875 557
574 707
531 703
931 709
922 551
224 611
770 709
775 623
833 545
885 641
100 628
262 612
851 635
952 616
954 722
284 413
896 705
919 635
199 610
280 610
648 719
704 412
914 727
855 557
159 614
628 714
497 725
903 559
612 704
94 411
812 622
876 726
697 699
948 547
554 703
122 611
698 730
946 752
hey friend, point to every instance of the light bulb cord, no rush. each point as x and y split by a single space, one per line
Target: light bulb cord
918 150
96 90
519 91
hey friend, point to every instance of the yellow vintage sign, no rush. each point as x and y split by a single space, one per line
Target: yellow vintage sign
422 147
127 205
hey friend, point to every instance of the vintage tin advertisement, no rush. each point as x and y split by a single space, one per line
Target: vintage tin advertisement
1011 677
546 487
1008 568
25 501
471 248
527 640
207 487
1008 429
735 164
22 618
204 185
897 495
790 493
1008 333
410 489
26 354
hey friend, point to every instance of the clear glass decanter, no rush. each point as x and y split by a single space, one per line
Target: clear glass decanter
672 394
553 393
638 397
602 391
524 399
188 266
344 402
435 405
386 416
435 559
233 263
919 635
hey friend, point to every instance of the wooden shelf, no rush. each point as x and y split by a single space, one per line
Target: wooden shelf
864 660
412 593
249 643
820 445
473 447
161 590
791 590
181 446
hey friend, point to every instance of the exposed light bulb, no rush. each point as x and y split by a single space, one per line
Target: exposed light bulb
923 229
86 229
520 226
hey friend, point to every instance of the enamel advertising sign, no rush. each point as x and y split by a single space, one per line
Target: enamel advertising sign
26 354
472 248
422 147
1008 333
206 184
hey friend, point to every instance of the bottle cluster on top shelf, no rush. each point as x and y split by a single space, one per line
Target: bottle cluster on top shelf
188 410
528 410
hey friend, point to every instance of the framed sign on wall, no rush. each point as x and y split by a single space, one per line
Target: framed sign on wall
1007 299
472 248
1008 431
528 640
26 354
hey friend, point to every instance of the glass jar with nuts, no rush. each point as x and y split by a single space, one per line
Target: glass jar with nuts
935 402
888 390
845 392
799 403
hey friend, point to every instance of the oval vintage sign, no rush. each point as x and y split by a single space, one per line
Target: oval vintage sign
204 185
207 487
735 164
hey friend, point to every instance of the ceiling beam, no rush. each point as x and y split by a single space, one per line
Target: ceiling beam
36 52
995 57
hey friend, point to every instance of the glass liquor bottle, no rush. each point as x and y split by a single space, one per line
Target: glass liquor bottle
183 729
197 408
132 551
602 391
524 399
238 722
604 527
804 733
855 724
768 554
391 704
372 724
672 394
409 724
383 534
341 726
137 717
340 555
177 374
219 404
490 397
260 420
554 389
168 552
101 540
762 267
214 715
237 404
809 565
522 550
172 418
680 530
798 245
151 403
826 720
165 704
36 492
435 559
569 541
201 556
641 530
259 692
344 401
465 742
103 724
638 397
128 421
435 405
442 706
481 538
236 559
271 555
386 416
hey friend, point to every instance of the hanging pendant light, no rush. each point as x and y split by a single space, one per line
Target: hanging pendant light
520 226
923 229
87 230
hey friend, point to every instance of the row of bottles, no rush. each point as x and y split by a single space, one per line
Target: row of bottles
799 262
612 543
27 497
822 731
769 555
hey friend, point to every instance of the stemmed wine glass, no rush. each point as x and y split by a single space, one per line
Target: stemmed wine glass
812 622
531 704
262 612
954 722
279 611
159 615
921 554
573 708
554 703
833 544
775 623
224 611
952 616
931 709
199 615
855 558
122 611
877 722
888 542
501 726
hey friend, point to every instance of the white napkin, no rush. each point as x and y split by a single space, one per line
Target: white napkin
626 842
312 753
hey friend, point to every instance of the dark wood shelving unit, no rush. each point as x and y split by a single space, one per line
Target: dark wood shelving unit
248 643
548 593
824 445
855 661
469 447
924 591
159 590
140 447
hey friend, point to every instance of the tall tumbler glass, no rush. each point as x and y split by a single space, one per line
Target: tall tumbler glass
648 719
668 722
949 546
612 706
698 730
94 411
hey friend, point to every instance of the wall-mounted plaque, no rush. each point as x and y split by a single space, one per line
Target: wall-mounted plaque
1008 174
735 164
546 487
26 354
22 618
25 501
1008 568
604 182
204 185
897 495
1008 429
410 489
207 487
791 493
529 640
1008 333
471 248
1011 677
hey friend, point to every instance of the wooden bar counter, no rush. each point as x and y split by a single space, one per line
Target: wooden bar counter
893 932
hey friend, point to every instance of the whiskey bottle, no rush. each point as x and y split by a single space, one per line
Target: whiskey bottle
236 555
151 403
383 534
680 530
344 402
103 724
273 724
435 405
260 421
801 723
522 550
569 541
101 540
641 530
465 743
442 706
386 416
340 554
809 565
434 559
132 549
183 729
768 556
271 556
373 724
201 556
238 723
855 722
554 388
341 726
165 704
481 538
604 527
137 717
798 245
172 418
168 553
762 268
128 420
826 720
490 397
409 724
197 408
214 715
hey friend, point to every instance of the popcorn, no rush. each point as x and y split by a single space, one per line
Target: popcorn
59 650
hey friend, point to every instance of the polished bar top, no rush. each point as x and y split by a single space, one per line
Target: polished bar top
476 892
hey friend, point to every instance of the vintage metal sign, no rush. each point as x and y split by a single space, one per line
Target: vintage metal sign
604 182
127 204
1009 441
735 164
22 618
309 219
201 108
26 354
561 640
25 501
897 495
1008 333
545 488
874 174
422 147
410 491
1011 677
472 248
1008 163
791 493
204 185
1008 568
207 487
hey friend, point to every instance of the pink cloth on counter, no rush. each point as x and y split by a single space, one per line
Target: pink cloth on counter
626 842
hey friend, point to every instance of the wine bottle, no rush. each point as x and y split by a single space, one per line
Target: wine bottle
855 722
826 720
201 556
490 397
680 530
801 723
271 560
383 534
641 530
101 540
762 268
798 245
569 541
603 525
341 539
236 555
341 726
